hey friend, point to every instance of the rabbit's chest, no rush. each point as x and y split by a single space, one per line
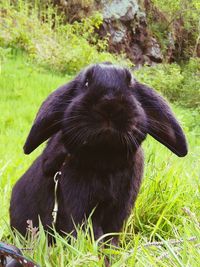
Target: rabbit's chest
111 187
97 188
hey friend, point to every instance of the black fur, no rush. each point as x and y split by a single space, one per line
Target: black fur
96 123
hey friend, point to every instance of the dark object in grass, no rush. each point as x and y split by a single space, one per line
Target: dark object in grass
96 124
11 256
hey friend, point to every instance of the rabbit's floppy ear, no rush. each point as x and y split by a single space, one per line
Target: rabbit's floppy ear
162 124
48 119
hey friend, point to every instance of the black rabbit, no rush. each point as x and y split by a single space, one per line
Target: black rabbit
96 124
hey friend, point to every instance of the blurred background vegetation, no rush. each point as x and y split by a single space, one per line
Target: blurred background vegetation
65 36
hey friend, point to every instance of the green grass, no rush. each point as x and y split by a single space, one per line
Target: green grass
168 206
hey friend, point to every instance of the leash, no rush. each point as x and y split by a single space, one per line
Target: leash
56 180
12 256
55 208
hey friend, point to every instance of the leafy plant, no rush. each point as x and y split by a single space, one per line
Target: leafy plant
180 83
182 23
41 33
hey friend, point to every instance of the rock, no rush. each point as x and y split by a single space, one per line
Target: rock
125 23
124 10
118 35
137 55
116 30
153 51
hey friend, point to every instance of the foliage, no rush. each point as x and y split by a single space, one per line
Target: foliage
41 33
187 8
168 205
181 23
178 83
75 9
190 90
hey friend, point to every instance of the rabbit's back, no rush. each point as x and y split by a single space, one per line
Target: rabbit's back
32 196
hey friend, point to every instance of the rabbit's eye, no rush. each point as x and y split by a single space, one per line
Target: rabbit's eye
86 83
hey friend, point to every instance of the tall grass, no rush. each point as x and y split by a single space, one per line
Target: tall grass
168 206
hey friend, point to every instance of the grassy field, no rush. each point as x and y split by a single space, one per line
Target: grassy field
168 206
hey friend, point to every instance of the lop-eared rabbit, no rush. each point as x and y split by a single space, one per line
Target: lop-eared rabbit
96 124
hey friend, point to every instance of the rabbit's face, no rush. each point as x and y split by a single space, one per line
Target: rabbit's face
103 109
104 114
